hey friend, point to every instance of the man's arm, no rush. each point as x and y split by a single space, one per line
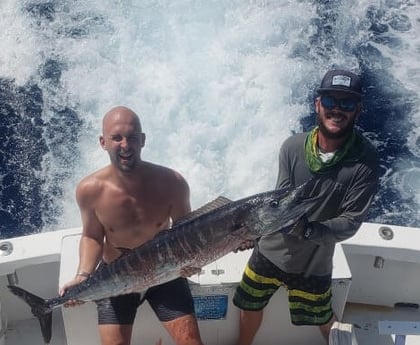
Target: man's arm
92 240
181 205
180 208
353 210
283 181
283 175
358 198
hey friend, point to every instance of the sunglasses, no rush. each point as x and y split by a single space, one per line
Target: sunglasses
344 104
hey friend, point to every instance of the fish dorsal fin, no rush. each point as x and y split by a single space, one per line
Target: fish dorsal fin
210 206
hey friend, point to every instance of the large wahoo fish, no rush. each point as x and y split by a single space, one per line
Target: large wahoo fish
205 235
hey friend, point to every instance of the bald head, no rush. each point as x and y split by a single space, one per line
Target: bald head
123 138
117 114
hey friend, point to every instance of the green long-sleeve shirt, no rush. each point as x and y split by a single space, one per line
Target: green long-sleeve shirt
352 184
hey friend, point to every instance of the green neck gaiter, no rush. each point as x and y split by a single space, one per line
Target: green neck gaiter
312 157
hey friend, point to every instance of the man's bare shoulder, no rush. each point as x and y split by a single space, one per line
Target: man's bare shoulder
162 172
168 180
95 177
92 185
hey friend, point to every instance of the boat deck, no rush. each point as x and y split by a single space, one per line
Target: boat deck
363 317
374 281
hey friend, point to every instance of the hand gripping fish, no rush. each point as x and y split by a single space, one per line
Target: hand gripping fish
200 238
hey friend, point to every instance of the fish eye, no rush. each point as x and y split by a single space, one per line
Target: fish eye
274 203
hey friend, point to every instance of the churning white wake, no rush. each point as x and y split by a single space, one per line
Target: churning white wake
218 84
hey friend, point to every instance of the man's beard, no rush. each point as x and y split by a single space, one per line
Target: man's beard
343 133
126 167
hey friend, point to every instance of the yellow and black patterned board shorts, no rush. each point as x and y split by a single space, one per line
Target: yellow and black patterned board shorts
309 297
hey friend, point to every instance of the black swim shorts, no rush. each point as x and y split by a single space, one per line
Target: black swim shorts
309 297
169 301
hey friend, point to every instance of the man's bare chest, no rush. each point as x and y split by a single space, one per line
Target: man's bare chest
122 212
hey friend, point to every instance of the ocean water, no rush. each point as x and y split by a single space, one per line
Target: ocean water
218 84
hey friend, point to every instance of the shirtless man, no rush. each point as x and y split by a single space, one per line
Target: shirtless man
123 206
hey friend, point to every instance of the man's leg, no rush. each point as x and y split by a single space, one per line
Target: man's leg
249 323
116 317
310 302
173 304
260 280
115 334
184 330
325 329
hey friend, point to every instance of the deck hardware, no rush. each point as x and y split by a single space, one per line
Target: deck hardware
379 262
406 305
218 272
400 329
6 248
12 278
386 233
400 339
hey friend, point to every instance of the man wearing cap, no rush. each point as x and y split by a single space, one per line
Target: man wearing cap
343 162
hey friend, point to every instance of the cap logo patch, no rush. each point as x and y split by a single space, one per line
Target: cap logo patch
341 80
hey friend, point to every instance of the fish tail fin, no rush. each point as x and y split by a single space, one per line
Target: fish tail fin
39 308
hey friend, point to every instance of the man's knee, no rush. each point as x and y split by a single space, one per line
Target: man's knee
184 330
115 334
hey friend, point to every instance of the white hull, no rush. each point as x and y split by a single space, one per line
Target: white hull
372 278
